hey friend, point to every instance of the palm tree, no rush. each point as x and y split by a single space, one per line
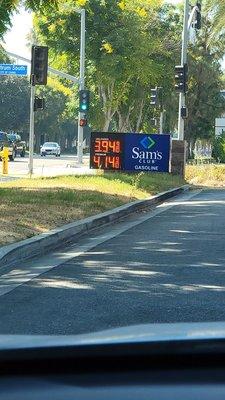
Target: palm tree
216 8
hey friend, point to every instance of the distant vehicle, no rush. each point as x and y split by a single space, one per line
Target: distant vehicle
19 145
5 142
50 148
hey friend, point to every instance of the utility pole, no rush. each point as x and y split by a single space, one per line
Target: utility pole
38 76
182 102
81 87
31 134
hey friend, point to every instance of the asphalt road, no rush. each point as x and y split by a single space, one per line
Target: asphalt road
49 165
167 265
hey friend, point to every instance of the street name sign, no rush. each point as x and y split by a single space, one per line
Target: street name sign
130 152
13 69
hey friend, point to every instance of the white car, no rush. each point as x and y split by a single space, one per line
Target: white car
50 148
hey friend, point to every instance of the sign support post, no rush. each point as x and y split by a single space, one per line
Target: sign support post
31 134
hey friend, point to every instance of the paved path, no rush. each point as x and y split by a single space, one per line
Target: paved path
167 265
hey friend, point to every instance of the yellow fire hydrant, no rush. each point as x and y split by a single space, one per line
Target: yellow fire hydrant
4 154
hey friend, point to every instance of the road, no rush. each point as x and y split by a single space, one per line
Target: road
49 166
165 265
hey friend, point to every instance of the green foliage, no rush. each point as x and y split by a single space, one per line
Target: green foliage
7 7
205 82
129 50
14 104
219 148
216 8
3 56
49 122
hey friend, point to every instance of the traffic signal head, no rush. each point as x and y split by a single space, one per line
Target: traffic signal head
154 96
39 104
198 21
84 103
153 121
184 112
181 78
83 121
39 65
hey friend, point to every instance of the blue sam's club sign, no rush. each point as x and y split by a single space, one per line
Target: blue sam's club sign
130 152
150 152
12 69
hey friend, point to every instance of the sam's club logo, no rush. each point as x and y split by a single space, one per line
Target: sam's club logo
147 142
146 153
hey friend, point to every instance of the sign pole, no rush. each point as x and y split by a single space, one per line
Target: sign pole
81 87
31 135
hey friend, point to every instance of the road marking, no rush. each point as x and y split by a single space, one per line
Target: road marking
25 271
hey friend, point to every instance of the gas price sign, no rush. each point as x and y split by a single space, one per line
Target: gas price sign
130 152
106 151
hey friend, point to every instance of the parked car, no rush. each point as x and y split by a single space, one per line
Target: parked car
50 148
19 145
5 142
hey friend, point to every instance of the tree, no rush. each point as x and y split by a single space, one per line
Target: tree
7 7
219 148
216 10
14 104
131 46
205 82
3 56
49 122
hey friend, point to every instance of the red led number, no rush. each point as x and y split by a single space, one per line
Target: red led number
97 145
112 162
97 161
114 146
107 146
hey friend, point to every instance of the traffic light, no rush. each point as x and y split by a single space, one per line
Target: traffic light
39 104
198 21
84 102
154 96
39 65
83 121
153 121
181 78
184 112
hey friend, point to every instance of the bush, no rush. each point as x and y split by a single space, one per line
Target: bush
219 148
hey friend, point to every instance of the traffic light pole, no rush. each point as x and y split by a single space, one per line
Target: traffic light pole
31 134
182 101
81 87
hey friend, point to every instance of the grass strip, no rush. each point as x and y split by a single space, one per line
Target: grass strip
32 206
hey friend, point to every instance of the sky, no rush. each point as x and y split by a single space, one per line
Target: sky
15 39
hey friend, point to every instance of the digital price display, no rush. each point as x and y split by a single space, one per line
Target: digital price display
106 151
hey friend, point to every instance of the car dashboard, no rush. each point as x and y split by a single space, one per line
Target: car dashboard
167 370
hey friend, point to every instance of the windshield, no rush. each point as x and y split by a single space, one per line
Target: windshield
50 144
112 206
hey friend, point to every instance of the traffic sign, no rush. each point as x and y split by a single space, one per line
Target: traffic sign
13 69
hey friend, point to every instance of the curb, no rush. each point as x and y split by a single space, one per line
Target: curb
45 242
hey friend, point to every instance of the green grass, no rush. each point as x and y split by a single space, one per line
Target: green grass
32 206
